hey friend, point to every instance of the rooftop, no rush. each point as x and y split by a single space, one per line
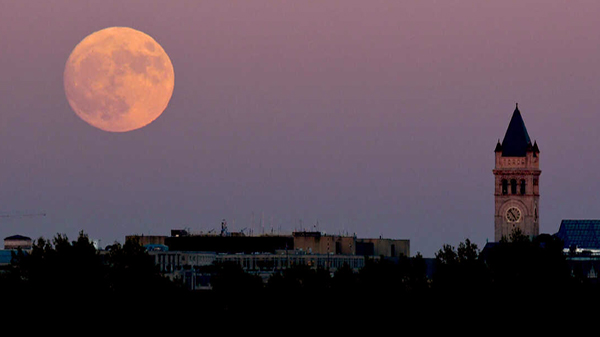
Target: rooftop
582 234
17 237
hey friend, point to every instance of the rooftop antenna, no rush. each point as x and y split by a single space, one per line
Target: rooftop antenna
224 231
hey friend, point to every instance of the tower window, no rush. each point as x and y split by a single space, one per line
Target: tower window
504 187
513 186
522 186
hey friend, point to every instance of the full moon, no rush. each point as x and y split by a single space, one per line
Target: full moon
118 79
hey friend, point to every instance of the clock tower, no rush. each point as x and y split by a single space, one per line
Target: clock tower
516 174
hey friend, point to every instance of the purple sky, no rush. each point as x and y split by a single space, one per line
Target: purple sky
371 117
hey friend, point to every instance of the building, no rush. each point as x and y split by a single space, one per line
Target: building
5 259
11 245
516 175
321 243
580 237
230 244
302 242
187 266
581 244
389 248
184 255
17 241
147 239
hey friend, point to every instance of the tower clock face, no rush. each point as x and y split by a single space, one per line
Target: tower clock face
513 214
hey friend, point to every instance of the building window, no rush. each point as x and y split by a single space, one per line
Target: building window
513 186
522 186
504 187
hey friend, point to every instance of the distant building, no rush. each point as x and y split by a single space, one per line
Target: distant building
187 266
5 259
17 241
580 236
147 239
321 243
11 244
581 239
302 242
383 247
232 244
516 174
183 255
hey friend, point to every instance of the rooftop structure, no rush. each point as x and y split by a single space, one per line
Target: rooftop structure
580 235
306 242
17 241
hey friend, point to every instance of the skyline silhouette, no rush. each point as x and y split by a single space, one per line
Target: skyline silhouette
375 118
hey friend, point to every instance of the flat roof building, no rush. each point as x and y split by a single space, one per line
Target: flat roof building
182 255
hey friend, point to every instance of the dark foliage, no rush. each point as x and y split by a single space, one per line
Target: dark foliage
74 271
523 271
460 272
130 270
299 288
518 269
301 280
523 267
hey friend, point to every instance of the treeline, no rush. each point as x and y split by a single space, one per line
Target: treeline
74 271
517 269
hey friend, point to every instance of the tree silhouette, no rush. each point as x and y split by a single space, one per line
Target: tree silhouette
344 279
460 272
60 268
521 266
132 271
75 271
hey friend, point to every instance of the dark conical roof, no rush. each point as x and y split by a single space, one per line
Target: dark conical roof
516 141
498 147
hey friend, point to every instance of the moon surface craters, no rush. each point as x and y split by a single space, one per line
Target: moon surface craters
118 79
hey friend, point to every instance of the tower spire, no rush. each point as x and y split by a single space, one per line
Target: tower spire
516 140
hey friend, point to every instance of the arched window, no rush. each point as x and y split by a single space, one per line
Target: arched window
522 186
513 186
504 186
